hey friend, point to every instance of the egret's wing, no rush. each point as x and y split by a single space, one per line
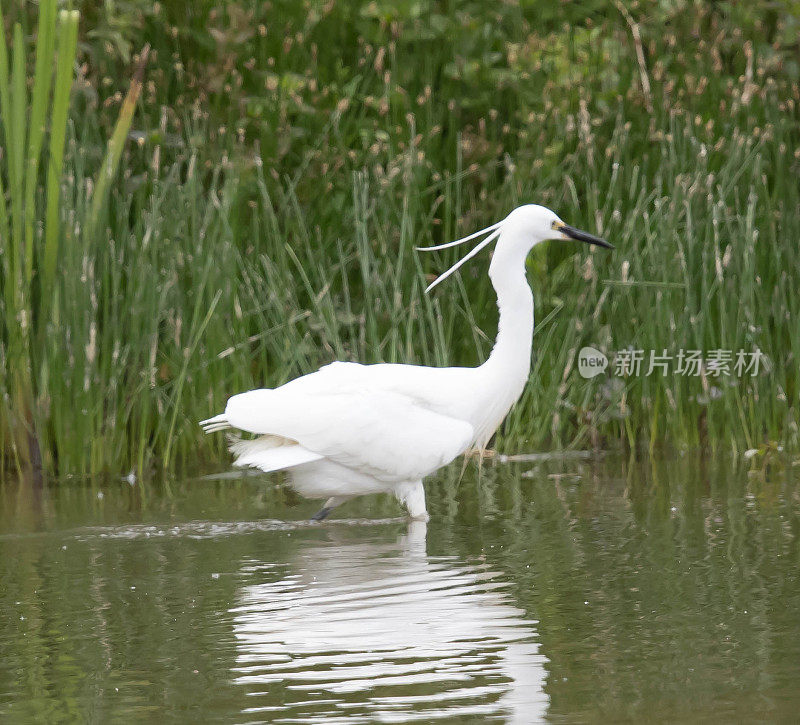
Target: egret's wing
336 377
378 432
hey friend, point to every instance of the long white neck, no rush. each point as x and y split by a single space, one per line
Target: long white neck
511 354
506 371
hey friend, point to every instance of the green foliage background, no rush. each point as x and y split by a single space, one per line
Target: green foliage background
285 158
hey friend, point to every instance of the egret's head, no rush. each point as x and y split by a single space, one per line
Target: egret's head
532 224
521 230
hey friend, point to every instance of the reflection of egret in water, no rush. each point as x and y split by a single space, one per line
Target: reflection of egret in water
358 632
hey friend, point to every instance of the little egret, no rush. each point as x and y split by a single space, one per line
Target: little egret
351 429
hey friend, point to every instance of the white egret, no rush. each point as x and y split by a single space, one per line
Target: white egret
351 429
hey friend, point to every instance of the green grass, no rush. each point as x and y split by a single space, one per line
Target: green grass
261 218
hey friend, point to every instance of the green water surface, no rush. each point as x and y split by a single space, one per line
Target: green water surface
572 591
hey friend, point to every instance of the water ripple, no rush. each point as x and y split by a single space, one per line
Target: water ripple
365 632
189 529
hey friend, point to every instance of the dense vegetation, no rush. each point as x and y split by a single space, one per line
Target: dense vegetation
252 212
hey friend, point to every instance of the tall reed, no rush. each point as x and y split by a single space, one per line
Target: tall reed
24 123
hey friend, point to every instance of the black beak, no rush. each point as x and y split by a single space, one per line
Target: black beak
582 236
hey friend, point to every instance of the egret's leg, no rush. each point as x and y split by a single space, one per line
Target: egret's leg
330 504
321 514
412 496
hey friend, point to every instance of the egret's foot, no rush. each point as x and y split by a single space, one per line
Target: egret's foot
330 504
322 513
481 454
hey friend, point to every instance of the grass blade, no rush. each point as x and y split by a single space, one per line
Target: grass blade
117 143
43 74
67 44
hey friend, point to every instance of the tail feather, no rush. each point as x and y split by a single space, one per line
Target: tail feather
266 452
218 422
269 453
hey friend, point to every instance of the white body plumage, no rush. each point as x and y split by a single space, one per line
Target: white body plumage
351 429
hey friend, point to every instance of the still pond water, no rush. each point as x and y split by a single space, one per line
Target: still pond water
571 591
